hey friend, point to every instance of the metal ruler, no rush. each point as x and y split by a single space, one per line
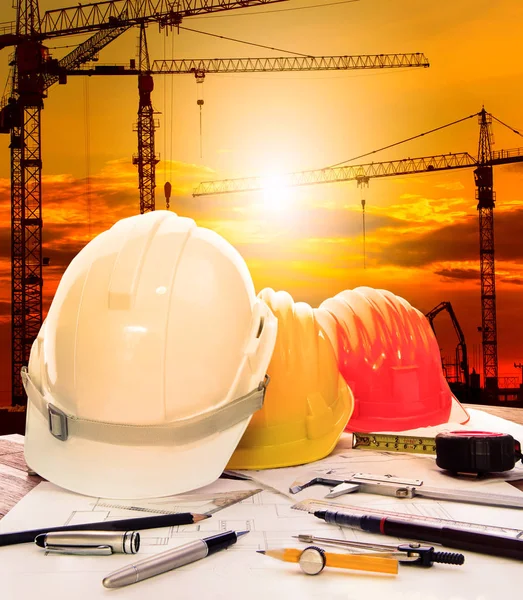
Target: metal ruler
400 487
313 505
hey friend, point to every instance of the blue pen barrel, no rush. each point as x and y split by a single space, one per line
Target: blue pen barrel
462 539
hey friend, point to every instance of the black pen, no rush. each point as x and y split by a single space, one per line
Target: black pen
484 543
20 537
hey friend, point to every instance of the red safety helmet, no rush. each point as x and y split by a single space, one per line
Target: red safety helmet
389 356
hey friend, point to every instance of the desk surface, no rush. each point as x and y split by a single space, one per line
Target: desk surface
15 482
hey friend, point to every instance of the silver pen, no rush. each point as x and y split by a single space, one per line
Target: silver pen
171 559
89 542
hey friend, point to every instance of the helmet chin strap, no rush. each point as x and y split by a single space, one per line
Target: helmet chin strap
180 432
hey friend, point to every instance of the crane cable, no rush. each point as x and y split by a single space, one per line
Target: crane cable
402 141
169 116
223 37
266 12
363 182
507 126
421 135
363 216
172 117
164 80
87 149
200 77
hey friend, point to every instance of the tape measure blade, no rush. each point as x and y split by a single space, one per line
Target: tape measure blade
393 443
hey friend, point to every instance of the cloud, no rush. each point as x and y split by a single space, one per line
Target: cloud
418 232
457 242
5 241
75 210
426 211
5 309
458 273
513 280
451 186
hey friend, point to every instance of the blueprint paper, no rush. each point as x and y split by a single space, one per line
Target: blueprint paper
239 572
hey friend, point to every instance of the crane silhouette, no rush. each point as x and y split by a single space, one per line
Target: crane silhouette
33 72
146 158
483 178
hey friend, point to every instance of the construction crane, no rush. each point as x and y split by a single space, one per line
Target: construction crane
461 364
34 72
20 116
146 159
483 178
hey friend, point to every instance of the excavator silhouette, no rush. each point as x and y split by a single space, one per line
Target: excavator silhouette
457 373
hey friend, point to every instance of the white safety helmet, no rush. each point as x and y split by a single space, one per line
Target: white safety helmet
150 363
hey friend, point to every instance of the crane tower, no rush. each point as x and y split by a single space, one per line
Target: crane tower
146 159
483 178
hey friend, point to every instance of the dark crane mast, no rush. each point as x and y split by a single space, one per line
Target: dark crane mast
32 73
146 159
483 177
24 114
487 158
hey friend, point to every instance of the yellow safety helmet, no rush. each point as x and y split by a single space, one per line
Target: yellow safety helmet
307 403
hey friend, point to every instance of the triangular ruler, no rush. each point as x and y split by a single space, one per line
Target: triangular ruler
193 502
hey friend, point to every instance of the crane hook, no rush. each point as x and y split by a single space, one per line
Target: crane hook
200 76
167 191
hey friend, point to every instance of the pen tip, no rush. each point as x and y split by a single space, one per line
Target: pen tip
40 539
240 533
260 551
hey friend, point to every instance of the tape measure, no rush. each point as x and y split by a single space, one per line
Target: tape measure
456 451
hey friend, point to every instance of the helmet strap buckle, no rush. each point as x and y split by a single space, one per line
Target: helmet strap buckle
57 423
263 384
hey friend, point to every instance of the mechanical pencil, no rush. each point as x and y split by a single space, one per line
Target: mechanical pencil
484 543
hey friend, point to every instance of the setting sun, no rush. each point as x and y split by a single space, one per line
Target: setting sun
277 195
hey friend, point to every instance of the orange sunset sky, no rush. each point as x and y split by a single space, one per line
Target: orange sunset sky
422 231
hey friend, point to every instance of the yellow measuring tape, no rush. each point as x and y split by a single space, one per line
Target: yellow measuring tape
394 443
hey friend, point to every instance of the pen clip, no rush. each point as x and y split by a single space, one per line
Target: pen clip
82 550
